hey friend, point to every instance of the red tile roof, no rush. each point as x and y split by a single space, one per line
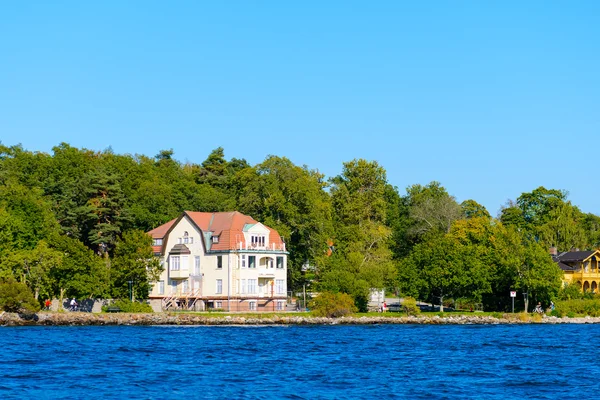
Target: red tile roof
160 231
228 226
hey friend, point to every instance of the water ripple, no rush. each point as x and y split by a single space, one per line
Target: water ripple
313 362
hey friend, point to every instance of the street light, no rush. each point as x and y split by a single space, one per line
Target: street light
525 300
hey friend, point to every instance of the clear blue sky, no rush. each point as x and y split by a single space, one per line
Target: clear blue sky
492 99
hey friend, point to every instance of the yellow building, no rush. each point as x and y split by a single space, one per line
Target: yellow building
579 267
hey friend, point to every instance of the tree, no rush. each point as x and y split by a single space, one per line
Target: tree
33 267
432 209
81 273
292 200
563 228
524 265
16 297
359 203
472 209
537 204
134 266
448 269
105 213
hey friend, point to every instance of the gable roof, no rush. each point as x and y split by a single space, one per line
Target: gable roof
228 226
574 256
160 231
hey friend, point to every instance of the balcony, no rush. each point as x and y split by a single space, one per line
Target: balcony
179 274
583 275
266 273
266 247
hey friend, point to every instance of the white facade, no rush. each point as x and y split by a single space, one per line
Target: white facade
250 275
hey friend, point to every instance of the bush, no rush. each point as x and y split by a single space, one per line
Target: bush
589 307
16 297
409 306
332 305
130 306
556 313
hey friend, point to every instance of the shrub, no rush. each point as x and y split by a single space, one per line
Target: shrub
556 313
332 305
589 307
130 306
409 306
16 297
523 316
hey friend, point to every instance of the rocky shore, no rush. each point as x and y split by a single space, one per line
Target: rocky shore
90 319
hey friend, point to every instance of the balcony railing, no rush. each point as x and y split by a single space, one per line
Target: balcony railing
257 247
179 274
595 274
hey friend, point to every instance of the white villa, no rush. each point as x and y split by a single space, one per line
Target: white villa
222 260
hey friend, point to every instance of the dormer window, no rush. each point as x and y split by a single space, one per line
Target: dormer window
257 241
215 239
157 242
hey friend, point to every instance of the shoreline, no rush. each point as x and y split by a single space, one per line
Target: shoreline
101 319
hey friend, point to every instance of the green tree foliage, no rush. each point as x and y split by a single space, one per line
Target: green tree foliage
359 203
33 267
59 210
25 216
16 297
332 305
82 273
134 262
546 216
409 306
293 201
472 209
432 209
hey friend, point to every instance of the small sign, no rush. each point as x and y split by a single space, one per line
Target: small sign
513 293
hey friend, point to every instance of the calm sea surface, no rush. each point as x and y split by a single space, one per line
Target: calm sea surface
295 362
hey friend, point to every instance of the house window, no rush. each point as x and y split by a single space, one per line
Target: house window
174 264
161 287
257 241
157 242
197 265
251 261
218 304
185 263
215 239
219 288
252 286
279 284
280 262
173 286
243 261
186 287
219 262
270 263
252 305
243 288
186 238
280 306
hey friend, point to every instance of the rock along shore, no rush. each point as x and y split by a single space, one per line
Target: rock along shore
89 319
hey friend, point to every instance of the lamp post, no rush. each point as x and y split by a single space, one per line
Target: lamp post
130 290
525 300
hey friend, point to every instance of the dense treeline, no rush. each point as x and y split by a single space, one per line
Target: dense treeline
72 224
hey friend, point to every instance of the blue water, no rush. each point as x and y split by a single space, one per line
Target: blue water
296 362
